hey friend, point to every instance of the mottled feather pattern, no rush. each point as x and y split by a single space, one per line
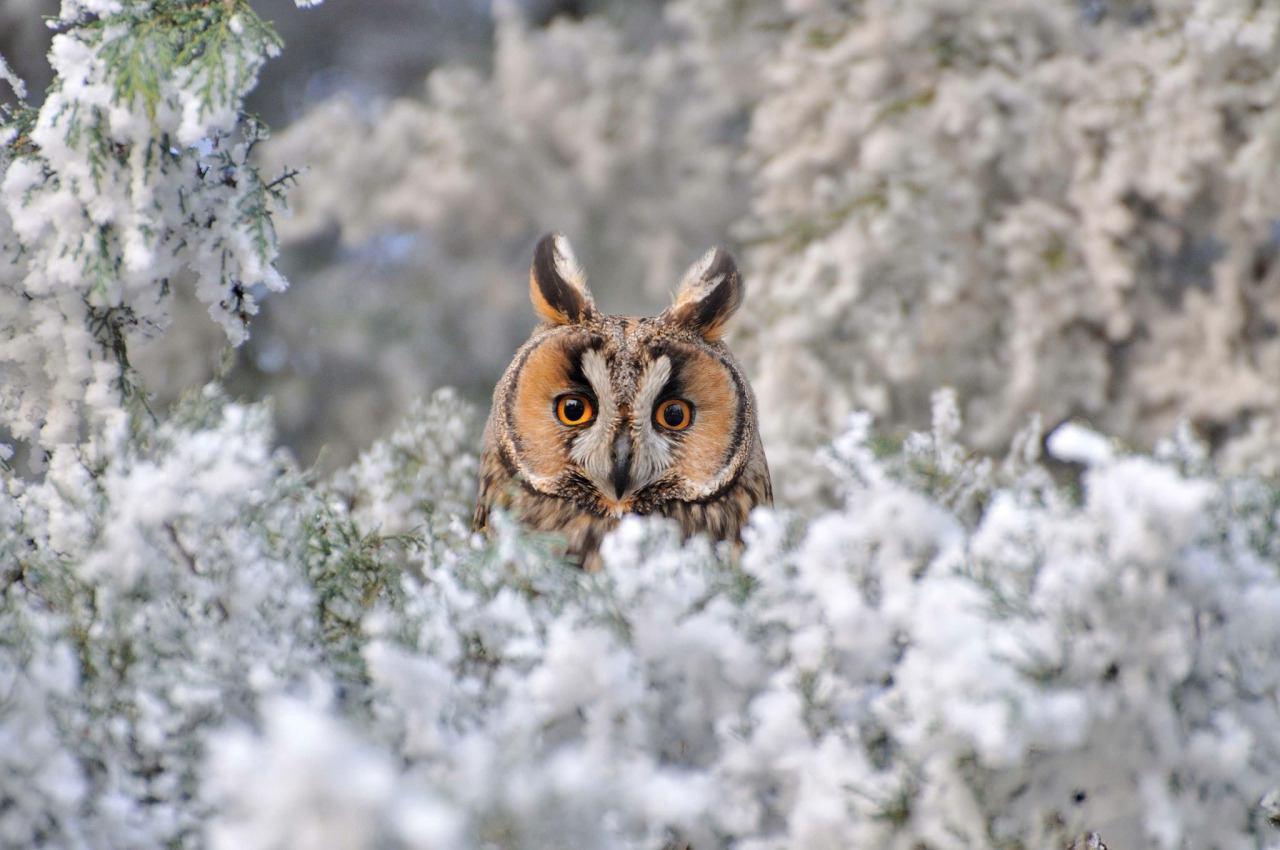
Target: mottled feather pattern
577 480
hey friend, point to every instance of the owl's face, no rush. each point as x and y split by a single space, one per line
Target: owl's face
621 414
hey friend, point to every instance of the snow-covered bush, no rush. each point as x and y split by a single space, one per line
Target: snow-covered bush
202 644
964 654
1058 207
1064 207
149 598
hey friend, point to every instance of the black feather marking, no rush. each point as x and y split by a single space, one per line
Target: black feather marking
724 299
674 388
704 306
574 352
740 421
559 293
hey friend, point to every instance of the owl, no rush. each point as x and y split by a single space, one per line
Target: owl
602 416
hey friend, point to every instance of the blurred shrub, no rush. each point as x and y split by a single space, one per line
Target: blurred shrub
1059 208
415 235
1054 207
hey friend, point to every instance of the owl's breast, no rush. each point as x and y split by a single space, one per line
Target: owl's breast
581 528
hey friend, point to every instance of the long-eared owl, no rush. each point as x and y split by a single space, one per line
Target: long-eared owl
600 416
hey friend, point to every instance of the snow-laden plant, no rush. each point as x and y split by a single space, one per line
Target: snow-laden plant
120 596
964 654
133 174
204 645
573 118
148 597
1056 207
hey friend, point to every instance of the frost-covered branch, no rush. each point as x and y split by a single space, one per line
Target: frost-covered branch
133 176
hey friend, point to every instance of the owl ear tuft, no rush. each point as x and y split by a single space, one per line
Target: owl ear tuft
710 293
557 285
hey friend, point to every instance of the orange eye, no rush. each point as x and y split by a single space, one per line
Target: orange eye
574 409
674 414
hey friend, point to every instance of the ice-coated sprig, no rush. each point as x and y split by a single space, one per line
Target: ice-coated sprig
132 177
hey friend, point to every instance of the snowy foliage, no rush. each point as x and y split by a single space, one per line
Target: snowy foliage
149 599
135 170
204 645
963 654
1055 207
1061 208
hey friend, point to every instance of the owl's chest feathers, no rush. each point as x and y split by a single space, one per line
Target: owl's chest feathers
583 518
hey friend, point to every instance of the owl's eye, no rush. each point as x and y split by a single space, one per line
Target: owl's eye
574 409
674 414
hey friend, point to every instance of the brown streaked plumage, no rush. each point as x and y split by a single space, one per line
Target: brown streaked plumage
601 416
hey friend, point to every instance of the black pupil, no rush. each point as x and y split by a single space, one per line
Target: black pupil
673 415
573 409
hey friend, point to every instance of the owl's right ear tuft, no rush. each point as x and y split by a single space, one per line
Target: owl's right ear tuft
557 285
710 293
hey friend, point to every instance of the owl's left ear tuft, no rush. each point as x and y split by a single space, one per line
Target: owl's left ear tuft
710 293
557 285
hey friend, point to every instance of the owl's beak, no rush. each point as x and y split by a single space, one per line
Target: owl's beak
620 477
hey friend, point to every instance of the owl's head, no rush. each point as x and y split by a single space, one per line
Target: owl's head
622 414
